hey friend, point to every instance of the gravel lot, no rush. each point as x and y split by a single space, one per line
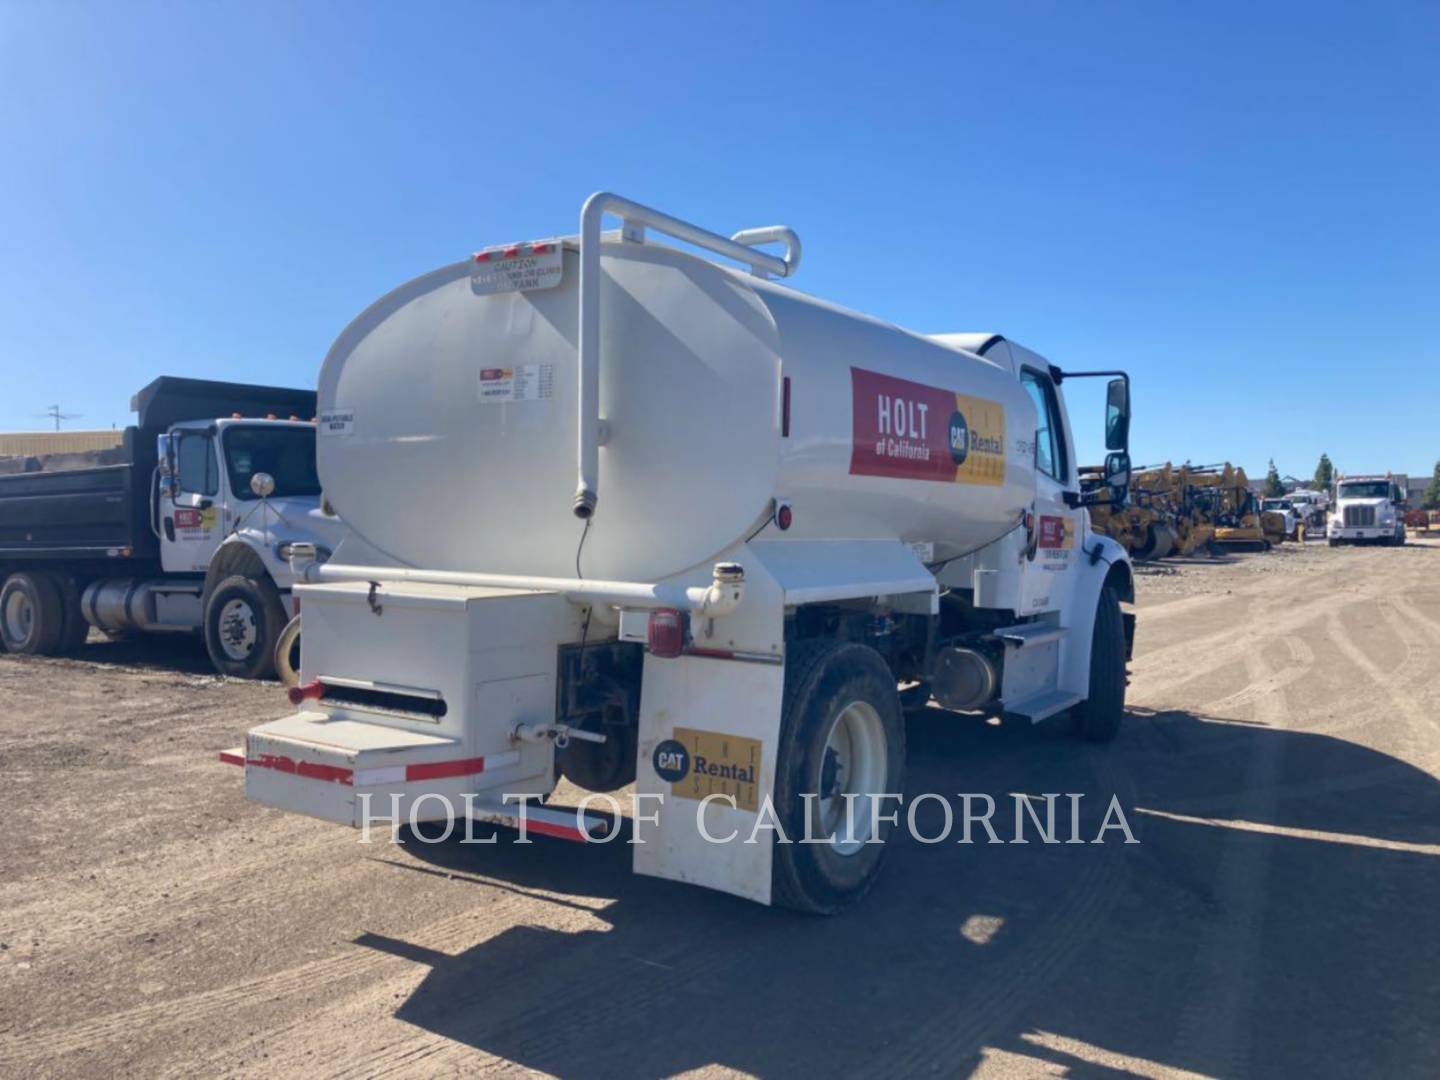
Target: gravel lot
1280 915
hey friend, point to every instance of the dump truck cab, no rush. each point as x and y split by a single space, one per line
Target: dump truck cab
190 533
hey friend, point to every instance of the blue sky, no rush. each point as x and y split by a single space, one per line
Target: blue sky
1237 202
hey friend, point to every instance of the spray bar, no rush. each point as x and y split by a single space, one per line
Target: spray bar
720 598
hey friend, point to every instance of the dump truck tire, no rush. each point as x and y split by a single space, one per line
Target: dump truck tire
75 630
32 614
243 621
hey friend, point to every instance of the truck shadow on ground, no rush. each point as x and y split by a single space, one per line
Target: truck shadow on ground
1277 916
178 652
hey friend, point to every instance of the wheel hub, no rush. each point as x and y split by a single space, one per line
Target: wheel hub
238 632
19 616
852 772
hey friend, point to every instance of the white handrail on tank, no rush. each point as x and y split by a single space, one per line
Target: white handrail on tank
719 598
634 214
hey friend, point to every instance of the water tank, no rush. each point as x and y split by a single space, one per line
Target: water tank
448 423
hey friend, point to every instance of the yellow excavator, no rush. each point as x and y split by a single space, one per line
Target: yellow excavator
1194 529
1223 492
1144 525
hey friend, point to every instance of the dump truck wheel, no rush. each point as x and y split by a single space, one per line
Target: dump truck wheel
243 620
32 614
1097 718
841 734
74 629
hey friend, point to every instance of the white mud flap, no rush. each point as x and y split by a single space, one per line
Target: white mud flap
708 727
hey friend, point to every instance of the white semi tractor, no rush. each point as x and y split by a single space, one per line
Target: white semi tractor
1368 509
620 512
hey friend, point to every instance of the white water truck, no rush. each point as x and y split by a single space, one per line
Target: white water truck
624 513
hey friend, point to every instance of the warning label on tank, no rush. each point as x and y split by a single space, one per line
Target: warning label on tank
699 763
527 382
917 432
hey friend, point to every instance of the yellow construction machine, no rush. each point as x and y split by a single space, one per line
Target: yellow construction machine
1144 526
1223 491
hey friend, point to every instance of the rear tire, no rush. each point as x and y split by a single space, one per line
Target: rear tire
76 630
841 731
32 614
243 620
1097 718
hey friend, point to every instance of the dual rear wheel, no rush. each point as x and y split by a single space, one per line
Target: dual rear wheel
40 614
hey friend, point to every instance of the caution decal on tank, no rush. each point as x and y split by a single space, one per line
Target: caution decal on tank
917 432
699 763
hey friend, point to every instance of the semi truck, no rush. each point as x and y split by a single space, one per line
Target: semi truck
643 516
1367 509
189 533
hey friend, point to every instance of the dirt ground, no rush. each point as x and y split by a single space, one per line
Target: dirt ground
1280 915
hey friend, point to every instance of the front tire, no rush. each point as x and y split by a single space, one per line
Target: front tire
1097 718
32 614
243 621
841 734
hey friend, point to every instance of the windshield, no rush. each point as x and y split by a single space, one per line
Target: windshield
1366 489
1277 504
286 453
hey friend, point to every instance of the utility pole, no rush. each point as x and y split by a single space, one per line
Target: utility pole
54 413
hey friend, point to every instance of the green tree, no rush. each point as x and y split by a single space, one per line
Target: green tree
1273 487
1324 473
1431 499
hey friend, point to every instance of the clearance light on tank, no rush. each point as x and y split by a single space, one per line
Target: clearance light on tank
784 517
511 252
666 633
311 691
482 256
540 249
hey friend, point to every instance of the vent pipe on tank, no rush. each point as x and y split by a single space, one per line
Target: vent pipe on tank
634 216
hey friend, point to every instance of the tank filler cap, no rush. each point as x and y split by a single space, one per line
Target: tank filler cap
729 573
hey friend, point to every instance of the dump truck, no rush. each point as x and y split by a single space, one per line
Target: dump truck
190 532
633 514
1367 509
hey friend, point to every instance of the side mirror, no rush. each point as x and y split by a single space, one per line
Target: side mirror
262 484
1117 418
1117 474
165 452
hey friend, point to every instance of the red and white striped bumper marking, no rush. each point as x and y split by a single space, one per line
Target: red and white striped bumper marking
542 821
390 774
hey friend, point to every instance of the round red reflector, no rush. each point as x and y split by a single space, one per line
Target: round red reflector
784 517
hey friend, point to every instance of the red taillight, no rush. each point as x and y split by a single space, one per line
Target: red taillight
311 691
784 516
667 633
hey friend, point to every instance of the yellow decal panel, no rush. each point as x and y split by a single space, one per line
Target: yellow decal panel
700 763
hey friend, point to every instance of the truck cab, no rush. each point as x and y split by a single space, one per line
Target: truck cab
191 533
1367 509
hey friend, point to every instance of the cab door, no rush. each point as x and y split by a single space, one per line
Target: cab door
190 513
1056 538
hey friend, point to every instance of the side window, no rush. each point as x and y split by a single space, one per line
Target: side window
199 471
1049 439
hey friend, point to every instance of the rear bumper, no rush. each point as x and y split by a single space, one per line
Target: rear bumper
353 773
